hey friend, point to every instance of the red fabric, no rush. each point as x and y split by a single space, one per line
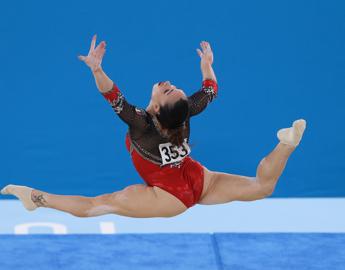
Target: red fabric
208 83
112 94
184 182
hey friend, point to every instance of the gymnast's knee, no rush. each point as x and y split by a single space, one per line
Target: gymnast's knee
266 190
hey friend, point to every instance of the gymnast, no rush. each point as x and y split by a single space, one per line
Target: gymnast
158 143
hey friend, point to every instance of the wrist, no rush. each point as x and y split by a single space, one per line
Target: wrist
96 70
205 65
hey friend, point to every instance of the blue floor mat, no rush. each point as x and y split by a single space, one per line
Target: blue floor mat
117 252
223 251
273 251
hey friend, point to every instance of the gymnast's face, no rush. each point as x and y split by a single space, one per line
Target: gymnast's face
165 93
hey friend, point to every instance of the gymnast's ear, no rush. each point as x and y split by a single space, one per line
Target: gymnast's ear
156 107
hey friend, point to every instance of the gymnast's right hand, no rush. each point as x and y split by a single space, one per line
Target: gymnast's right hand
94 58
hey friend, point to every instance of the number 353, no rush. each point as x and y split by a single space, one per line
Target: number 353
171 153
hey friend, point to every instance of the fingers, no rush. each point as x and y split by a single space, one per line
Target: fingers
93 43
100 46
205 46
100 49
99 54
208 46
199 52
82 58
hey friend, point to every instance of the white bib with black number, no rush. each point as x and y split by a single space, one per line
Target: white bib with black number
171 153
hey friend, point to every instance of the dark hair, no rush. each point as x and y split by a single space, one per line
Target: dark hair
173 117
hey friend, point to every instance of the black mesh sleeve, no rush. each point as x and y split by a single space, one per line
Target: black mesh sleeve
131 115
199 100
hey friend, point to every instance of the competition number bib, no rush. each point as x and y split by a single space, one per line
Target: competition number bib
171 153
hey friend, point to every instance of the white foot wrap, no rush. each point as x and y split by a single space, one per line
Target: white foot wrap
293 135
23 193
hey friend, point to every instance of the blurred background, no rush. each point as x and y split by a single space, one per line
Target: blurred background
276 61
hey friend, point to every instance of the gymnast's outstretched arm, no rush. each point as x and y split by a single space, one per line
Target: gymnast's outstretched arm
209 89
94 61
206 62
135 200
127 112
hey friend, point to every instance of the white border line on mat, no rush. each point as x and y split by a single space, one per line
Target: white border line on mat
310 215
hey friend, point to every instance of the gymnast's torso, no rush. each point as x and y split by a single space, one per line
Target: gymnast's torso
143 128
158 161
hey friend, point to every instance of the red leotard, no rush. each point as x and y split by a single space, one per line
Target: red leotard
184 182
183 179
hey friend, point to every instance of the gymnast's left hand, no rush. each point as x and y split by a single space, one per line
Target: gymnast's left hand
205 54
94 58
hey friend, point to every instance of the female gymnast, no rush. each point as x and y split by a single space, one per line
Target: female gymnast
158 143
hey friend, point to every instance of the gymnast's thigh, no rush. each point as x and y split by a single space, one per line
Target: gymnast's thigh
141 200
222 187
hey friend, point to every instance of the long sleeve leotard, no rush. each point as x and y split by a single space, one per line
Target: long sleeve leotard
143 132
